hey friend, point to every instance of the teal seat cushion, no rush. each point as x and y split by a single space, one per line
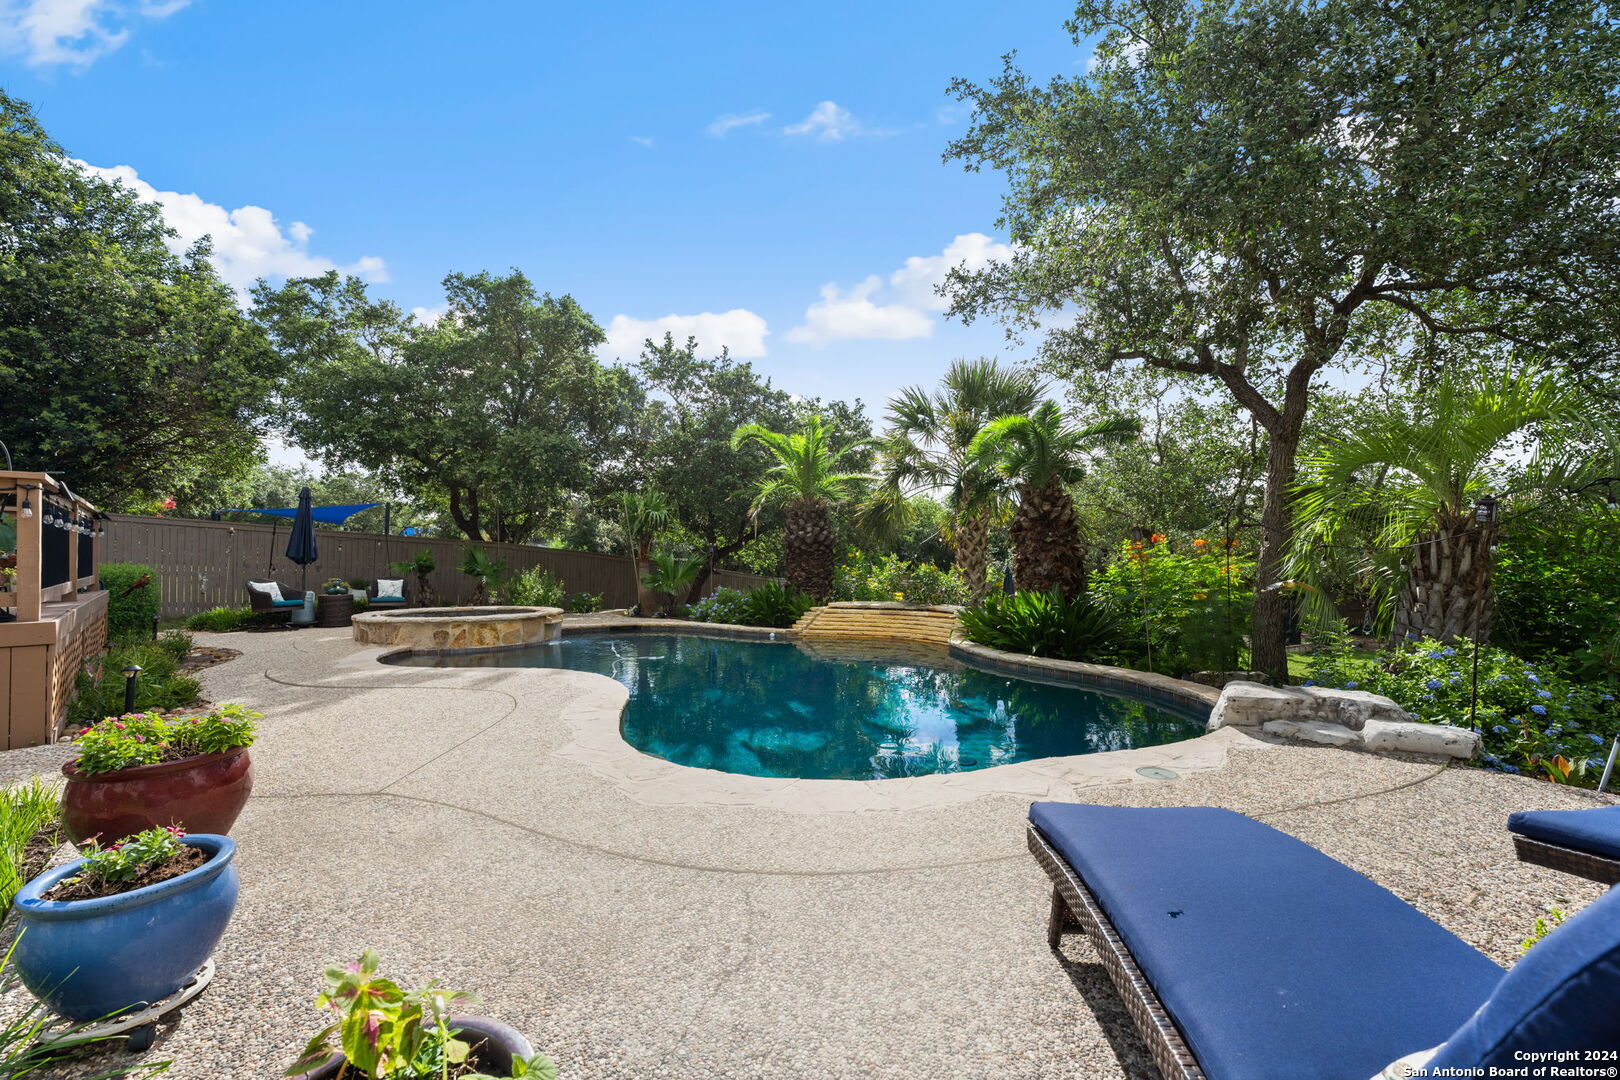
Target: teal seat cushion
387 599
288 603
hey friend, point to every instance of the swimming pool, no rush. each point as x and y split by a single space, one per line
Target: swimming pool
848 712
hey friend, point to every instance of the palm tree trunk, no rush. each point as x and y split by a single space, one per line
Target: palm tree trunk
1448 595
641 566
972 552
1047 553
809 544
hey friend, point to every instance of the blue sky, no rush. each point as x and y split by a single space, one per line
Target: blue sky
775 167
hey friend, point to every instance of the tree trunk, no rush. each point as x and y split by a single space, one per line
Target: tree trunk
1268 642
1448 595
1047 553
809 542
972 554
641 566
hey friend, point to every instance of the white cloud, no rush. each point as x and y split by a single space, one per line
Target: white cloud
721 126
739 330
642 140
831 122
915 282
248 242
73 33
429 316
841 316
900 308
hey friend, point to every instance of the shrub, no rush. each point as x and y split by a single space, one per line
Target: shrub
775 604
1530 718
536 587
132 600
177 643
1188 609
26 810
224 620
583 603
359 583
159 688
721 606
1044 624
1558 598
861 577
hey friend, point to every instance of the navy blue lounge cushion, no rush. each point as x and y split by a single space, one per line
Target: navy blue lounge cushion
1563 995
1274 960
1596 831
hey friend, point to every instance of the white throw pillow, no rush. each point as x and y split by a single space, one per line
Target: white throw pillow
390 588
269 588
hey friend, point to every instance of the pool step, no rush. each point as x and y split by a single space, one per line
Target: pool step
878 621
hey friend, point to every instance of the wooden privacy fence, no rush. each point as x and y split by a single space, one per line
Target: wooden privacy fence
206 564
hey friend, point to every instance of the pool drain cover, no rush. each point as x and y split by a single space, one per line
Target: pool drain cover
1154 772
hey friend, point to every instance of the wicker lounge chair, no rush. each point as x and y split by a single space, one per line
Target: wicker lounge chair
1244 954
1581 842
263 602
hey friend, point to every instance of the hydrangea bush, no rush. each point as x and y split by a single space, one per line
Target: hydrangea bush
721 606
1531 719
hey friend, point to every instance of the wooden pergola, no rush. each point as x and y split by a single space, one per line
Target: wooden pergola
61 609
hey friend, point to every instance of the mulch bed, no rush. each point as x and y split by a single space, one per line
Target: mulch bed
40 849
177 864
206 656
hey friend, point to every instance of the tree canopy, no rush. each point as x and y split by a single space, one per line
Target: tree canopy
125 365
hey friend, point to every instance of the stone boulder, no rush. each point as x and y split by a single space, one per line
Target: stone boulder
1251 704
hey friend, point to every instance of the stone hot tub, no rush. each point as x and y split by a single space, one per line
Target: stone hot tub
458 627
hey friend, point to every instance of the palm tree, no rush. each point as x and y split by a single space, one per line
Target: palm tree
806 479
926 447
1040 452
669 577
642 516
1417 481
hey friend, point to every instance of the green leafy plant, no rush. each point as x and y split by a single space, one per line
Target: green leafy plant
1545 925
106 868
177 644
486 571
583 603
536 587
1184 605
1530 718
1043 624
160 687
132 600
862 577
122 742
385 1032
27 810
776 604
223 620
671 575
359 583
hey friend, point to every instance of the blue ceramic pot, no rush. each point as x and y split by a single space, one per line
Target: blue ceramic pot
89 959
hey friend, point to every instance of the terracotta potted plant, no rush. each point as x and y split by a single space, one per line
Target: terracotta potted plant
143 770
125 926
381 1030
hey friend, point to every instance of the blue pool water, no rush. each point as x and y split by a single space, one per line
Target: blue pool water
835 712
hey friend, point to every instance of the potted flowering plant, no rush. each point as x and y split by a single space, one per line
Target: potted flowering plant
141 770
381 1031
126 925
334 586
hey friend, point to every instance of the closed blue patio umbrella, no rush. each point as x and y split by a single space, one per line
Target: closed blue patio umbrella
301 547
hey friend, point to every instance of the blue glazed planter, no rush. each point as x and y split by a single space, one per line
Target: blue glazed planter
89 959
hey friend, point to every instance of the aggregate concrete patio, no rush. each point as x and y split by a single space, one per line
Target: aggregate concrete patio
447 818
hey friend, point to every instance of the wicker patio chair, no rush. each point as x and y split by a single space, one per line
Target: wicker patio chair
403 600
1585 843
1242 953
262 602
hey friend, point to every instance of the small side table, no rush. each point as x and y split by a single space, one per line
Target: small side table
333 609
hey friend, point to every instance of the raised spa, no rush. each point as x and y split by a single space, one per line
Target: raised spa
459 627
849 712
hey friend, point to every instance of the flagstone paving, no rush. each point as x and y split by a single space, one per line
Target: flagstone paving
642 920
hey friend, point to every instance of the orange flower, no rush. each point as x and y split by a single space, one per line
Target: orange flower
1157 538
1200 543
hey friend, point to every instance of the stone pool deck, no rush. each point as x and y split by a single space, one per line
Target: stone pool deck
447 818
